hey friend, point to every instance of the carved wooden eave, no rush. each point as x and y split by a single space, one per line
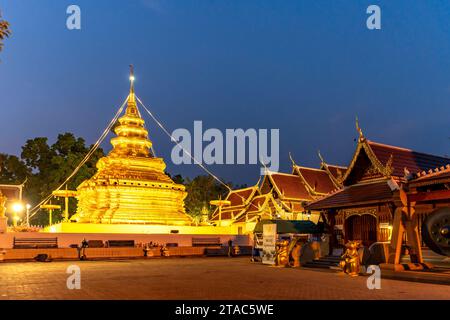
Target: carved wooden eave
337 181
311 190
242 207
439 175
260 209
296 171
385 170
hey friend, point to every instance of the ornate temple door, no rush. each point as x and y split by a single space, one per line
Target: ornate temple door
361 227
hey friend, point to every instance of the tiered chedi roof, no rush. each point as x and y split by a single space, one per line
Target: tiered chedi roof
130 185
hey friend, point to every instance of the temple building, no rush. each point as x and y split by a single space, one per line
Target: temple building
130 186
428 194
278 196
372 205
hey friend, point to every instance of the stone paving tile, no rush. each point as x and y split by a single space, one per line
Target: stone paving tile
196 278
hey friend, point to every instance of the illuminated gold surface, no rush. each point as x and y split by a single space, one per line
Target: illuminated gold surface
97 228
350 259
282 253
2 205
130 185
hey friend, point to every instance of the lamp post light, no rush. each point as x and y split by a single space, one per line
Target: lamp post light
220 203
17 208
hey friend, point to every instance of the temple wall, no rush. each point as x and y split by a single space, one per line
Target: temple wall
66 239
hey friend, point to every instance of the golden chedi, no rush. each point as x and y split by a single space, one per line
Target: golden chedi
130 185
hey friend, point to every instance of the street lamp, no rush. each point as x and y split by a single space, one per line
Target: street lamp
17 208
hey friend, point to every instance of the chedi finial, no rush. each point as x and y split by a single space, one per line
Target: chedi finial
131 78
132 108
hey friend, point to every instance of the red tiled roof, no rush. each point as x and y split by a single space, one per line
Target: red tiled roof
296 207
256 202
238 197
291 186
334 170
406 158
374 192
226 215
317 179
253 208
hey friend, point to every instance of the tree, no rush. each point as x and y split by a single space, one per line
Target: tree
12 169
5 31
49 166
201 190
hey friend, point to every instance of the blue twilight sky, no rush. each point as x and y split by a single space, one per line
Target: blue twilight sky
307 67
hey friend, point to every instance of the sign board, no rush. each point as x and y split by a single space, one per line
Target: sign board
269 243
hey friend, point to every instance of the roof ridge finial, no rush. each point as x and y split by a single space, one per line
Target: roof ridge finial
292 160
358 128
259 180
320 157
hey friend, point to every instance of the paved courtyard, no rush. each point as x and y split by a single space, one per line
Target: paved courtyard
196 278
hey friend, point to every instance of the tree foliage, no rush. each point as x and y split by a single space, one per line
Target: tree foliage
201 190
45 167
5 31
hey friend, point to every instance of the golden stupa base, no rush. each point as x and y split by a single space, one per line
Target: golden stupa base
70 227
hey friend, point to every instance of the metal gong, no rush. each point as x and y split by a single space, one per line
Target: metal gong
436 231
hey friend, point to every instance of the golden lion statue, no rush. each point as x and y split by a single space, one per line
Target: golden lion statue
282 253
350 259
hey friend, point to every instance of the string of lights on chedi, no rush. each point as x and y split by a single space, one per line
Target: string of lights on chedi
130 192
130 185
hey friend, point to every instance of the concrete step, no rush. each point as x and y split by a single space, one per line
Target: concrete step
324 262
318 266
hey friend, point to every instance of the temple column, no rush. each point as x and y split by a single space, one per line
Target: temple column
404 222
331 223
412 234
398 230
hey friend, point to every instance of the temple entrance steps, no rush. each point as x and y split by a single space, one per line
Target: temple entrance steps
431 257
324 262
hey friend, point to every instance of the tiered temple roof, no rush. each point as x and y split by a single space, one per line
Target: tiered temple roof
240 200
375 173
280 194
